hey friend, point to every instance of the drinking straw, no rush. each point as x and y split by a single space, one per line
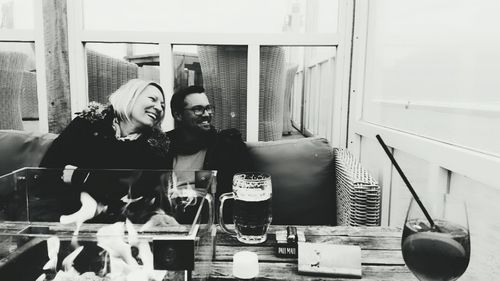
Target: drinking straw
413 193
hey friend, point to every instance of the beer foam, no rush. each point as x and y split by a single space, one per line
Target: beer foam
252 195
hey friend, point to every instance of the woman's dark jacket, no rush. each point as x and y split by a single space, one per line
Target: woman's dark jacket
89 142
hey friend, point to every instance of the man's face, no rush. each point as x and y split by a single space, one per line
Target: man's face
188 117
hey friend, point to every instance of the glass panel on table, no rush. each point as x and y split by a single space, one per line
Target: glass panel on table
140 216
19 98
302 79
216 16
111 65
222 71
17 14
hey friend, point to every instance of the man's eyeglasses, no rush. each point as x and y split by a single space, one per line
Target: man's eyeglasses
199 110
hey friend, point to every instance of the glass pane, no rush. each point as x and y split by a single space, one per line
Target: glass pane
278 16
111 65
187 67
426 79
222 70
36 214
18 91
16 14
304 78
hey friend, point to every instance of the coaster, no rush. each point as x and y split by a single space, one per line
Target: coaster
328 259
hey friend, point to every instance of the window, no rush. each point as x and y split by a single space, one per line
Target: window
111 65
242 16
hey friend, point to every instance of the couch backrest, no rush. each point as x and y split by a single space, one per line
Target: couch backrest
20 149
302 173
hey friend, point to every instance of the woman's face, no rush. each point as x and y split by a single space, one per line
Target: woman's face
149 108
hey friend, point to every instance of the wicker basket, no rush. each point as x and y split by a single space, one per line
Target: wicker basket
287 103
224 70
29 98
11 77
358 194
106 74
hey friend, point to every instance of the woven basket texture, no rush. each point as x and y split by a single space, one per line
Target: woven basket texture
224 70
287 100
11 78
106 74
29 98
358 194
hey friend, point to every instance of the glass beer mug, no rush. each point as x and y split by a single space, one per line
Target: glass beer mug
252 210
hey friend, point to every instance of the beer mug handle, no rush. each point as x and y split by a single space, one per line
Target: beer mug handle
222 198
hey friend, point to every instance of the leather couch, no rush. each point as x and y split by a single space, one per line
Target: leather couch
302 172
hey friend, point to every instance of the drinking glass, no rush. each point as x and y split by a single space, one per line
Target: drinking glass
185 192
441 252
252 211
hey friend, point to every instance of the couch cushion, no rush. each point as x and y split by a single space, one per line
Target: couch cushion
20 149
302 174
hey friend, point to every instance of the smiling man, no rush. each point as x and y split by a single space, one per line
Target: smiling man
195 144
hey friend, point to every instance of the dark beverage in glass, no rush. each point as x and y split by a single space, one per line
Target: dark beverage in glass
433 255
252 218
252 209
440 252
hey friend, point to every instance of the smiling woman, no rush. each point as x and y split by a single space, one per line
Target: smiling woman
114 136
123 135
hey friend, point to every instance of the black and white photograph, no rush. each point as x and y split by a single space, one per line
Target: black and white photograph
154 140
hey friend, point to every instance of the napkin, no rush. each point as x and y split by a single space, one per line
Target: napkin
329 259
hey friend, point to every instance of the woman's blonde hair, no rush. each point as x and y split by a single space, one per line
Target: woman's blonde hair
124 98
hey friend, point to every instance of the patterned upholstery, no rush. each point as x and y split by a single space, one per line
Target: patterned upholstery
224 70
358 194
11 78
106 74
29 98
287 104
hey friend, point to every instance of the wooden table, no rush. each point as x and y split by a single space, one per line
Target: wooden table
380 253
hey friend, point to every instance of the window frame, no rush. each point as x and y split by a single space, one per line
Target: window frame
443 157
34 36
78 37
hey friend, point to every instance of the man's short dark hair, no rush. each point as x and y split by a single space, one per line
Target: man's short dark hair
177 102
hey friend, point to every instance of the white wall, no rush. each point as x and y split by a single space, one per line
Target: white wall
432 70
425 77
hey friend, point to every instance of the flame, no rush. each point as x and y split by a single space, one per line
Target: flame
181 192
111 238
122 265
145 253
87 211
67 263
53 244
